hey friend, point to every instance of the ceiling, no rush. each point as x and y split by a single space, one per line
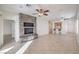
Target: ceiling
56 10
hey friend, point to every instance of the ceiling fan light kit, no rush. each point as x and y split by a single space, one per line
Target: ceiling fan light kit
40 14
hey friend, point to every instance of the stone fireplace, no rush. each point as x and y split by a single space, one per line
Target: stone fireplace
27 26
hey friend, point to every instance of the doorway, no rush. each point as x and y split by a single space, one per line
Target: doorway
8 32
57 27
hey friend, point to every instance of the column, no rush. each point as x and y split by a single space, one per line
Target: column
17 34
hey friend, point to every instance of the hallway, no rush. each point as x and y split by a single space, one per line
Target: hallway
55 43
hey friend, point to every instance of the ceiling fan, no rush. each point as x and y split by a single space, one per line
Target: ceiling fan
41 12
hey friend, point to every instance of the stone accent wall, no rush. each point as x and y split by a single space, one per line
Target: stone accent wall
26 18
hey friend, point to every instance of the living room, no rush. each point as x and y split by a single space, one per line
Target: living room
25 22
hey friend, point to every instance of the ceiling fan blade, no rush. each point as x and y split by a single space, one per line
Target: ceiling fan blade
41 10
46 14
46 11
37 10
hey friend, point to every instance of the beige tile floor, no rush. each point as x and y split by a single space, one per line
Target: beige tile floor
54 43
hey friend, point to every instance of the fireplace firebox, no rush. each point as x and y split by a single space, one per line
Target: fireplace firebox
28 28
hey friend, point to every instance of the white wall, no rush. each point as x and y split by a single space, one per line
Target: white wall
78 27
1 31
78 22
77 31
64 27
68 26
7 27
42 26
